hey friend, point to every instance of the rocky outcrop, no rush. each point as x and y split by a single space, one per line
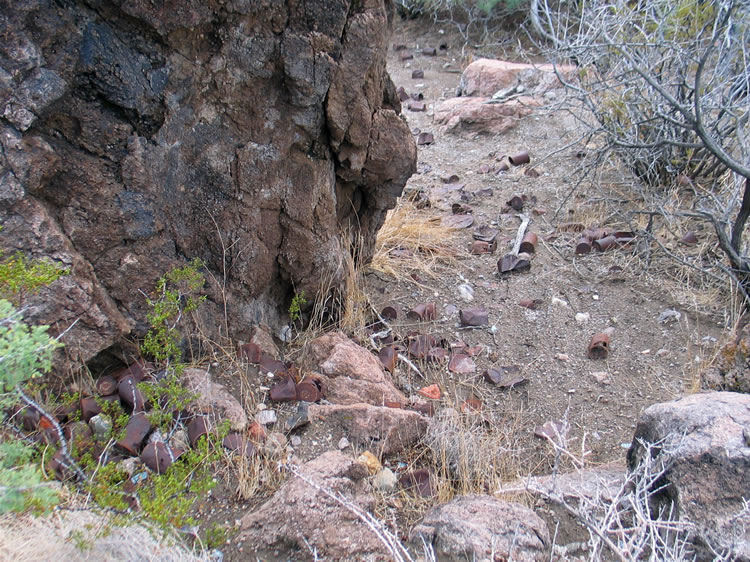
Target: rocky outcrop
483 528
303 514
135 136
707 438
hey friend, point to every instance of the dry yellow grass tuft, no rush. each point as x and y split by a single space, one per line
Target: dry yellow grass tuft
412 241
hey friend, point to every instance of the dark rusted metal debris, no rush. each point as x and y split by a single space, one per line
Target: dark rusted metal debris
197 428
451 178
420 344
399 47
511 263
429 51
89 408
531 304
389 312
405 55
531 173
417 73
458 209
388 357
485 233
690 239
505 377
520 158
599 346
424 407
476 316
423 312
418 480
516 203
425 138
606 243
238 444
503 167
140 371
135 432
130 395
484 169
106 385
251 352
436 355
299 418
583 246
310 389
271 365
529 242
457 221
159 456
402 94
284 390
479 247
413 105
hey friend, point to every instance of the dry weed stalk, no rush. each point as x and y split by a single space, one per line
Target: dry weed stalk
628 522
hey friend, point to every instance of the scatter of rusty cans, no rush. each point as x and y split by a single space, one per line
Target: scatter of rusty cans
106 385
520 158
310 389
197 428
599 346
423 312
159 456
284 390
130 394
135 432
388 356
529 242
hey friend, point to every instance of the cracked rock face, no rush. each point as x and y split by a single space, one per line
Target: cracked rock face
135 136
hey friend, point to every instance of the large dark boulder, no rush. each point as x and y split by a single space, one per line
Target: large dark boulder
137 135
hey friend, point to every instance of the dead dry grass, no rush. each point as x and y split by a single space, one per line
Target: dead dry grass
84 535
411 242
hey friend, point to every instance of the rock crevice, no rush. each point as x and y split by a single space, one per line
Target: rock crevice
138 136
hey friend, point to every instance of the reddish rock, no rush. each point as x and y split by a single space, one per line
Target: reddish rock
299 514
350 373
432 392
213 399
475 116
462 364
391 429
485 77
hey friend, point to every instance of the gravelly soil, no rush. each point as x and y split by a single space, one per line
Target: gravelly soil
649 361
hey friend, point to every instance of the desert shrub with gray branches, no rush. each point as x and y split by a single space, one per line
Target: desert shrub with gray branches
665 85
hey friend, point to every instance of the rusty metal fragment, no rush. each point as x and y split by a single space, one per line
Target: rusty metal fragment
599 346
419 481
135 432
388 357
528 243
310 389
284 390
417 73
197 428
462 364
423 312
512 263
130 394
476 316
159 456
106 385
520 158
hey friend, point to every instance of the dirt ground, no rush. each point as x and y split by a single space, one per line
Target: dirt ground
649 360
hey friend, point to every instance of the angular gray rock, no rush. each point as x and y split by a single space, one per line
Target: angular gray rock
300 514
138 135
709 474
478 527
